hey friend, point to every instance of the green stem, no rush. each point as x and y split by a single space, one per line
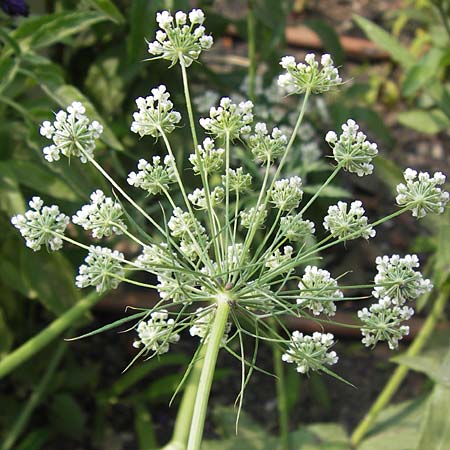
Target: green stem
38 342
251 50
400 373
204 387
35 398
283 413
184 416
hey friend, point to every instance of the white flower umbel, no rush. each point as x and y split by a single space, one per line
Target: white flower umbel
344 223
287 193
103 269
198 197
183 225
229 119
421 193
212 158
310 352
398 279
251 218
41 225
155 255
177 40
156 334
383 322
278 260
352 150
154 177
155 114
201 325
267 147
312 76
103 216
318 291
239 181
296 229
72 133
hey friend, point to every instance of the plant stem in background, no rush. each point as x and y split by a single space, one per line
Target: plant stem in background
213 345
400 373
35 398
38 342
184 415
251 50
283 414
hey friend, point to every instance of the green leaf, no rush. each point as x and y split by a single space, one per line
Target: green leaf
385 41
6 336
35 440
108 8
144 427
66 94
39 179
140 27
329 38
430 122
67 417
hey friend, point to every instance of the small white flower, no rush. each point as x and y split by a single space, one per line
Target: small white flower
265 147
103 216
251 217
157 333
352 150
277 259
202 323
196 16
422 193
198 197
287 193
103 269
211 158
238 180
345 223
41 225
310 352
72 133
294 228
155 114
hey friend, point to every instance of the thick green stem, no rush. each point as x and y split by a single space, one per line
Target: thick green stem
399 374
35 398
283 414
204 388
251 50
184 416
38 342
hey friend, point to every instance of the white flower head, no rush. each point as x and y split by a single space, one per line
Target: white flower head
398 279
348 223
155 114
229 119
209 157
103 269
312 76
72 134
156 334
198 197
421 193
103 216
287 193
238 180
153 177
41 225
296 229
310 352
267 147
279 259
318 291
383 321
177 41
201 325
253 217
352 150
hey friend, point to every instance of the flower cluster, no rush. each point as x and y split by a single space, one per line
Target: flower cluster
287 193
345 223
267 148
178 41
201 325
103 269
253 217
103 216
155 116
352 150
383 322
156 334
277 260
229 120
41 225
310 352
72 133
296 229
422 194
318 291
312 76
153 177
198 197
238 180
209 158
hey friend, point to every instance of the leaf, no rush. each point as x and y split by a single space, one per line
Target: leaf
329 38
430 122
385 41
145 430
66 94
35 440
140 26
67 417
108 8
6 336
